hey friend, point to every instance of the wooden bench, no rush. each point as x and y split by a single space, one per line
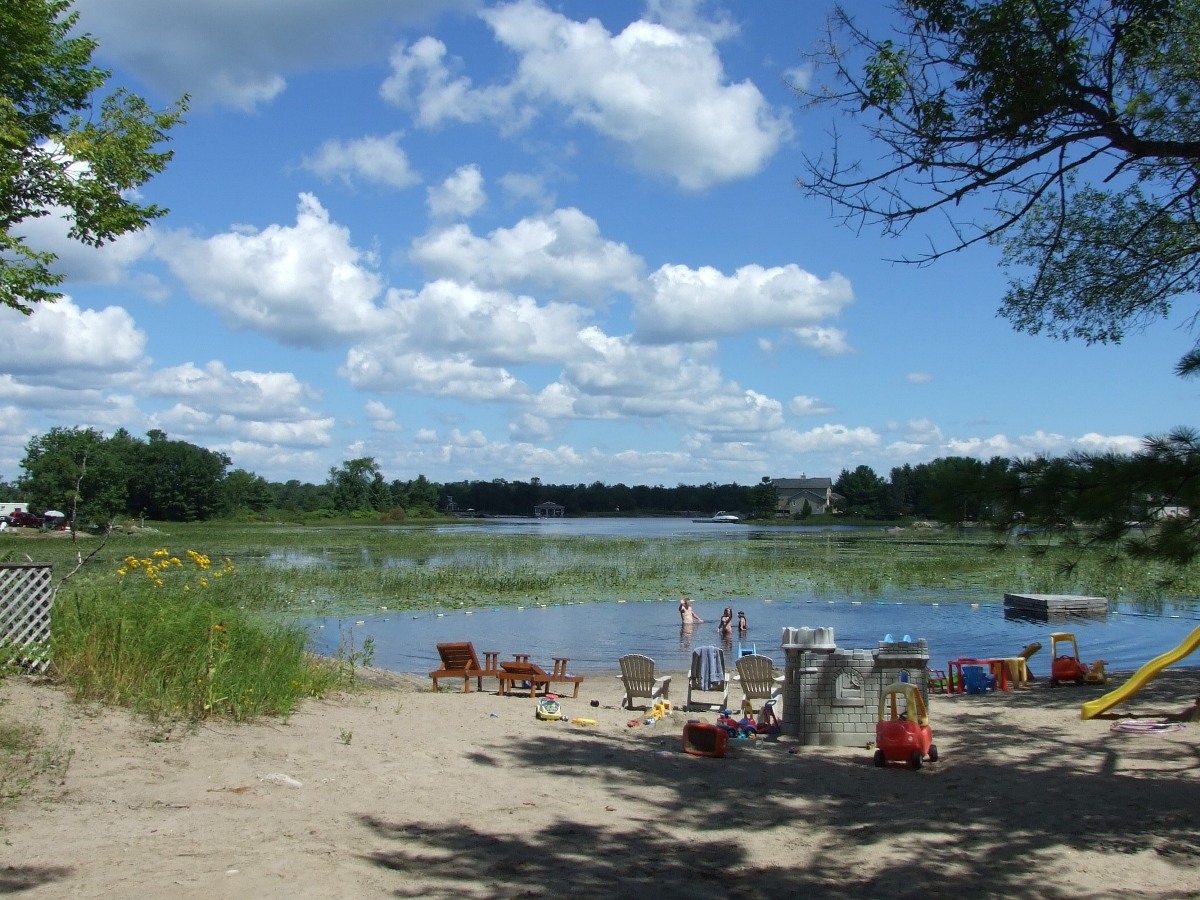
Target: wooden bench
559 675
522 671
459 660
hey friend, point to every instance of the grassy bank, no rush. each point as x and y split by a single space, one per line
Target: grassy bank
169 635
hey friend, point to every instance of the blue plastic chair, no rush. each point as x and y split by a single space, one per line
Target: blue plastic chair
747 650
978 680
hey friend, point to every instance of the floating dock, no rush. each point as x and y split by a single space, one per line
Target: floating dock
1056 604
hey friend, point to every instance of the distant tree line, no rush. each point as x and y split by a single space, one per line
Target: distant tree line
98 479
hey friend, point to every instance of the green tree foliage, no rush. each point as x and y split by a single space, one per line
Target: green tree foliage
764 499
76 471
1073 124
122 475
175 481
299 497
423 496
355 486
1142 506
963 489
63 150
244 492
517 498
864 492
907 489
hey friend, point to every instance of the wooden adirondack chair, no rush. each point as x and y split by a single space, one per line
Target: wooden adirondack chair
459 660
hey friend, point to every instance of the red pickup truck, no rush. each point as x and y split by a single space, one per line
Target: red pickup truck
22 519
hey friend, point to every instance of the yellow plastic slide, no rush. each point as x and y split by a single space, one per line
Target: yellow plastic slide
1141 677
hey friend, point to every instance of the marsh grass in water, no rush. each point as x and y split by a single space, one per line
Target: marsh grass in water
342 570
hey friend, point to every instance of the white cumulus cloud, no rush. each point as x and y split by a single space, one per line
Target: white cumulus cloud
493 327
454 376
306 285
803 405
376 159
248 394
61 340
459 196
562 252
685 304
659 93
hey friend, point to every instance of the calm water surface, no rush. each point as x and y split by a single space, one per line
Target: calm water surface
595 635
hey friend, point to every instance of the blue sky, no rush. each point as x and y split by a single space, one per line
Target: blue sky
516 240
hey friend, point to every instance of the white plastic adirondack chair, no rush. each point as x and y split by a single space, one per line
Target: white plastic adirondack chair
758 679
637 673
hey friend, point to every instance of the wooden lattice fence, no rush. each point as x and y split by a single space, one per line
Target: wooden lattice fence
26 596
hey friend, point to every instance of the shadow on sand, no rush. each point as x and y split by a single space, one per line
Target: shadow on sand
976 824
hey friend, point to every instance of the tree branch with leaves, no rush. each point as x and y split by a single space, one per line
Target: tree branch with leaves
1071 126
64 149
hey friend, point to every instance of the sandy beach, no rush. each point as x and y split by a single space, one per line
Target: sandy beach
397 792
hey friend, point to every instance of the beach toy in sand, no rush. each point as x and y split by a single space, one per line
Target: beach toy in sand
660 709
902 732
702 739
548 710
585 722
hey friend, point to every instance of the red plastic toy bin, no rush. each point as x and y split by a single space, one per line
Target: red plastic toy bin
703 739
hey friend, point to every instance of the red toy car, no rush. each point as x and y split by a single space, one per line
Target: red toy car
1065 664
902 733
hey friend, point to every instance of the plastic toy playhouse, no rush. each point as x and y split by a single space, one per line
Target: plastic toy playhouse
902 733
831 695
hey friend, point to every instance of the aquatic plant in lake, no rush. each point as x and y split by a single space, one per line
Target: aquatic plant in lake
342 569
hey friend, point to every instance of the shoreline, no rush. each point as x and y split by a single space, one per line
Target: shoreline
391 790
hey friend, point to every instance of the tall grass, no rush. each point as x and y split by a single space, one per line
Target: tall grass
171 639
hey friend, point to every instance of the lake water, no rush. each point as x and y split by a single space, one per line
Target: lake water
595 635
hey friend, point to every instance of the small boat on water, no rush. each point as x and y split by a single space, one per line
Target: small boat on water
721 517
